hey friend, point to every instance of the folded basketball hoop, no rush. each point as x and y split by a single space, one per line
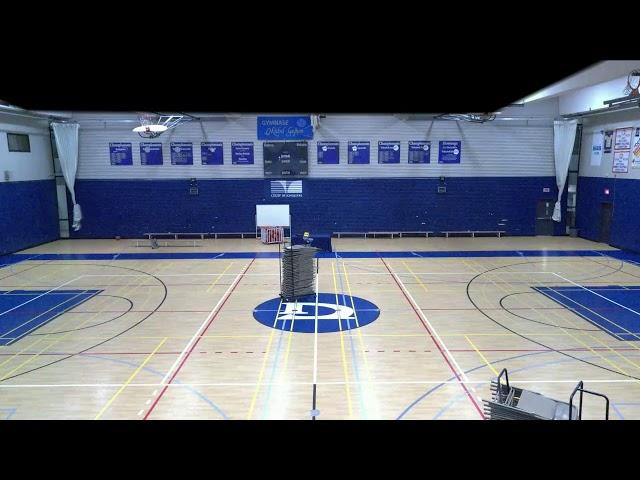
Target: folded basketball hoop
151 126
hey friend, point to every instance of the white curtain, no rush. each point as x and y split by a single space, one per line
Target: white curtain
564 136
66 135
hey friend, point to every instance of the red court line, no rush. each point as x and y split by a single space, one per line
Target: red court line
464 387
186 357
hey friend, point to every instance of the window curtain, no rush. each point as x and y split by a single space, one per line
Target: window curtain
564 137
66 135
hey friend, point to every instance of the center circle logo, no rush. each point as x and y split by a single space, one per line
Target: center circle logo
335 313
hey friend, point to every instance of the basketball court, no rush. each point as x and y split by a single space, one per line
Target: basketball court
176 338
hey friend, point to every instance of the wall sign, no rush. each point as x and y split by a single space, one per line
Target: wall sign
151 153
121 154
284 188
419 151
623 139
181 153
389 151
285 128
211 153
449 151
635 161
242 153
620 162
285 159
328 153
358 152
608 141
596 149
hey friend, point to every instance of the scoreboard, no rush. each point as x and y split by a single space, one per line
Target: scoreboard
285 159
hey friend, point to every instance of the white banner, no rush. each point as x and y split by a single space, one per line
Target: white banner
596 149
623 138
635 160
620 162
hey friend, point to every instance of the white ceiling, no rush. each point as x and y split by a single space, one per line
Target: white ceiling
598 73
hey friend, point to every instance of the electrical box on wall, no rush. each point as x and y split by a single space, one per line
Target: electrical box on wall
442 189
7 175
193 188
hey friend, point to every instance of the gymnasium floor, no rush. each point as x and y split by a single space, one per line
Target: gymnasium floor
423 326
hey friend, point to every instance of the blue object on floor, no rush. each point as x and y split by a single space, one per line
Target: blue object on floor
614 309
323 242
23 311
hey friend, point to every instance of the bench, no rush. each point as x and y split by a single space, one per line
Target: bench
374 234
153 237
473 233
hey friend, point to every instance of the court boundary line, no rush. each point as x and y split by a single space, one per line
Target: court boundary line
459 373
209 321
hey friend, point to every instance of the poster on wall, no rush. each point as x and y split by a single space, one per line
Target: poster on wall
150 153
621 162
389 151
211 153
635 160
623 139
419 151
449 151
608 141
596 149
359 152
181 153
328 153
121 153
242 153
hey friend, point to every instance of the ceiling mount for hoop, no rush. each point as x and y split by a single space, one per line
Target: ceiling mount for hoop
153 125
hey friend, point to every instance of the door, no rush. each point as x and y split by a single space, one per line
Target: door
544 220
605 221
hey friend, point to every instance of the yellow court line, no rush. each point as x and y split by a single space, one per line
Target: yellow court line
129 380
358 332
424 287
264 364
613 364
214 283
344 354
484 359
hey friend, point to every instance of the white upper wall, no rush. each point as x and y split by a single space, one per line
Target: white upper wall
23 166
499 148
630 118
592 97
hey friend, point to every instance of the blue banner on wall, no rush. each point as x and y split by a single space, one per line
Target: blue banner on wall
121 153
449 151
328 152
211 153
389 151
181 153
242 153
419 151
358 152
285 128
150 153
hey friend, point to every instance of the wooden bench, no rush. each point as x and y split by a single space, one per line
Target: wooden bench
153 237
473 233
392 234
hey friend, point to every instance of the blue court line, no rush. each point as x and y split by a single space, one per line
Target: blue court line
528 367
10 412
160 374
615 409
600 310
266 404
27 316
621 255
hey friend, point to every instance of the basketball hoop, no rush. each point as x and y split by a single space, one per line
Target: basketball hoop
152 126
633 84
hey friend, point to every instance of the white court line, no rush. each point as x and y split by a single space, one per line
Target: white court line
41 295
596 293
315 339
253 384
460 373
204 323
275 274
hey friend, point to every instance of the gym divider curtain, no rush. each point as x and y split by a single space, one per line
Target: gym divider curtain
66 135
564 136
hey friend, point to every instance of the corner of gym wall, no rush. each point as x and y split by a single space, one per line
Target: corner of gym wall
624 188
28 208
